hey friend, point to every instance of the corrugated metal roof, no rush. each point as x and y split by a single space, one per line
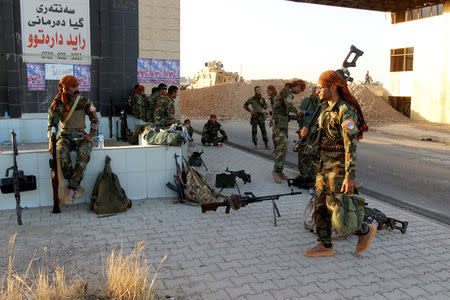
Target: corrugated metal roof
377 5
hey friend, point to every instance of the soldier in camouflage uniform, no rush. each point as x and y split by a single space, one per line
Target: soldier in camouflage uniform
164 109
140 100
281 108
131 99
258 116
341 125
272 92
154 99
190 130
72 136
308 156
209 133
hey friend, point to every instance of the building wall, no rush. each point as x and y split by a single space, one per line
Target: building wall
428 83
159 34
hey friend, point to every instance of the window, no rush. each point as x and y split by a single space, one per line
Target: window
402 59
417 13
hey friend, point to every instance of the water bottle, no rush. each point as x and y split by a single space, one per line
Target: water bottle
6 114
101 140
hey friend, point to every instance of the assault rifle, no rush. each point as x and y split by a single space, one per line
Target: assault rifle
196 160
54 173
18 182
246 178
383 222
179 185
236 201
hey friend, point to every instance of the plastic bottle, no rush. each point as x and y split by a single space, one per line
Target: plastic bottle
6 114
101 140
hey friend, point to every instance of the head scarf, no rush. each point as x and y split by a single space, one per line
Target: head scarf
65 83
333 78
272 89
295 83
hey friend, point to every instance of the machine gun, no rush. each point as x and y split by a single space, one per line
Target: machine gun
246 178
54 173
18 182
236 201
196 160
383 222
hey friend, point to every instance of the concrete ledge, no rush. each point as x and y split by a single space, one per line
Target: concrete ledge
142 171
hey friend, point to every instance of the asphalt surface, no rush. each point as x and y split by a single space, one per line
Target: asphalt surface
403 171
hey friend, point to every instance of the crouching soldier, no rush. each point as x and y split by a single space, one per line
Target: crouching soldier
69 109
209 133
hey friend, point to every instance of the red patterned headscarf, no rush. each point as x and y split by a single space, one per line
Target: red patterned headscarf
65 83
272 89
295 83
333 78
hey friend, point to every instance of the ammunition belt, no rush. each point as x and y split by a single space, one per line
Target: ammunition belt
72 129
331 139
333 149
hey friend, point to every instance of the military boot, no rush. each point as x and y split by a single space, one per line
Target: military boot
319 250
68 195
255 146
365 240
283 176
267 147
273 153
78 193
276 177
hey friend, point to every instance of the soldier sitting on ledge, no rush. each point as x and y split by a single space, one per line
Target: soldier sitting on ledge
209 133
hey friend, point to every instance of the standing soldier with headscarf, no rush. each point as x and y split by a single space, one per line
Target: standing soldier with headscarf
69 109
308 155
140 100
281 108
154 99
258 116
341 125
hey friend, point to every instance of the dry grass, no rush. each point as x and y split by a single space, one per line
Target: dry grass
128 276
14 286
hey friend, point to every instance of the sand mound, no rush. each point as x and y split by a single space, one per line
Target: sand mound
227 100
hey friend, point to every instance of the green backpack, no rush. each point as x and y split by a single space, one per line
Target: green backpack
347 212
108 196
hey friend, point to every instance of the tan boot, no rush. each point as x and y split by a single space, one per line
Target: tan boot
283 176
68 195
365 240
276 177
268 147
78 193
272 153
318 251
255 147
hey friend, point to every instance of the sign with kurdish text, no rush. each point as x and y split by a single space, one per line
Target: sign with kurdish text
56 31
36 77
157 68
143 71
57 71
172 71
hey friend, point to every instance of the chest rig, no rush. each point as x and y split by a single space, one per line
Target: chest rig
331 138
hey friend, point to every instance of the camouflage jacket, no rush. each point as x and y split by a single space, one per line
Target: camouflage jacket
272 100
77 120
164 111
338 128
281 108
210 129
311 104
256 105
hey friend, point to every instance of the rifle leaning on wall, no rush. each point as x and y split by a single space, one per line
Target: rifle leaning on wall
54 173
18 182
179 183
236 201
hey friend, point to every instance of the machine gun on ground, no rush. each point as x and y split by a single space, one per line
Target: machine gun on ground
196 160
383 222
236 201
246 178
18 182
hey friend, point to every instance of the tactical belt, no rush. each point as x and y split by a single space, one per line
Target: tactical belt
72 129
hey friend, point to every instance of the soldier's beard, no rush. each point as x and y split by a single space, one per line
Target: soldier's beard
258 96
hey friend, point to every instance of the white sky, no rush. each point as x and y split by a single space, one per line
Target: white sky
279 39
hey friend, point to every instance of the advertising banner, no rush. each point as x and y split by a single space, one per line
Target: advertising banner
83 74
172 71
56 31
157 70
36 77
143 71
57 71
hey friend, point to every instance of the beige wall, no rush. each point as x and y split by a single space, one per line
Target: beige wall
159 33
428 83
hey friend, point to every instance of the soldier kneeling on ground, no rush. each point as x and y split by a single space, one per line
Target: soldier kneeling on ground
209 133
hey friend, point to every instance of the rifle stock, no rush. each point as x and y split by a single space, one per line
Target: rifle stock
212 206
54 174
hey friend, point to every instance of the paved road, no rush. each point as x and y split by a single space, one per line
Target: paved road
401 170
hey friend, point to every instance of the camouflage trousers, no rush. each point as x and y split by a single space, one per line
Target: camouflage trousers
281 142
73 141
308 159
255 121
330 176
212 139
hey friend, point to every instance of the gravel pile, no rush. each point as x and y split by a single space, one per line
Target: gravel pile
227 100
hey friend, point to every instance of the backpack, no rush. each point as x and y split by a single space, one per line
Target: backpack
197 189
175 135
108 196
